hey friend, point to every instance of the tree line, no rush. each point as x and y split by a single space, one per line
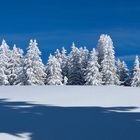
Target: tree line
79 67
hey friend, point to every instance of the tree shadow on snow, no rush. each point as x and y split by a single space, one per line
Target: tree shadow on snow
69 123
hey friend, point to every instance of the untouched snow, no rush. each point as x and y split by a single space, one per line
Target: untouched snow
76 96
4 136
114 109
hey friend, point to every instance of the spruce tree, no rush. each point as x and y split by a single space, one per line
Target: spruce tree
84 57
58 56
34 69
135 77
123 73
92 74
4 63
107 60
65 81
54 72
64 64
15 66
3 76
74 67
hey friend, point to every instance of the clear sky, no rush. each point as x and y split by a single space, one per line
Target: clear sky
56 23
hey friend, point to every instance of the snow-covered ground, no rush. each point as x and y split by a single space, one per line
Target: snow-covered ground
74 96
4 136
30 103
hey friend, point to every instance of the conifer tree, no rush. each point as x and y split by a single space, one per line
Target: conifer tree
135 79
54 72
64 64
92 74
34 69
123 73
3 76
107 60
65 81
58 56
74 67
84 57
4 63
15 66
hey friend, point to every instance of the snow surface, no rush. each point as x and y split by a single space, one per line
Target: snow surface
4 136
73 96
111 97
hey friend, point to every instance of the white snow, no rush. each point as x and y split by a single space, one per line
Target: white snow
70 96
5 136
74 96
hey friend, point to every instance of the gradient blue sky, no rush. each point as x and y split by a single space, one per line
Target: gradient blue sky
56 23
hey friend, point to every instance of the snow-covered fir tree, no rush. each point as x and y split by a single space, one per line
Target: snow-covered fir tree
123 73
74 67
54 72
107 60
65 81
84 57
63 53
3 76
62 59
64 64
136 64
92 74
135 76
15 66
4 63
58 56
34 69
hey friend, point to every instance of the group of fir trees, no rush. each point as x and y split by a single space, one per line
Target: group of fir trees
79 67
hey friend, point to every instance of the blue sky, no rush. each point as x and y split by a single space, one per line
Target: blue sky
56 23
